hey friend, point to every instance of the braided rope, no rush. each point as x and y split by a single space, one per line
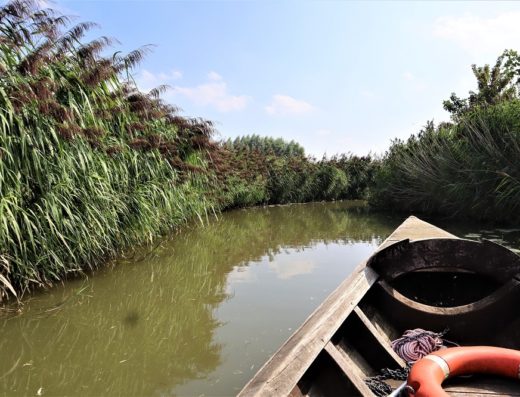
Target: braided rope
417 343
377 383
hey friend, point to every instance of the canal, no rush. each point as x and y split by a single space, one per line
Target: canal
198 314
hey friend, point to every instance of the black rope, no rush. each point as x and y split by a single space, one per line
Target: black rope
377 383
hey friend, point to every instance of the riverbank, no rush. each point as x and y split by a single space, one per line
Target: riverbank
91 166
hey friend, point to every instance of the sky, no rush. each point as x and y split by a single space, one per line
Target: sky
335 76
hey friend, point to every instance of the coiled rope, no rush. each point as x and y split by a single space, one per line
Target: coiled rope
412 346
417 343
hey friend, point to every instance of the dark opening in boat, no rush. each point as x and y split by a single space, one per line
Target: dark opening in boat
445 289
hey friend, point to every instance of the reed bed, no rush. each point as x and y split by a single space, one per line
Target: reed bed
88 164
466 169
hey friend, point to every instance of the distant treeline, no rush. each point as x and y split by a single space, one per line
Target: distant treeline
469 167
260 170
90 166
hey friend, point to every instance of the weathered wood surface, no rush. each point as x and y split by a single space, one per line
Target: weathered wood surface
281 373
447 254
415 229
348 366
381 337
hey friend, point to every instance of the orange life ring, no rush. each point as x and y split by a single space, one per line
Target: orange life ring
428 373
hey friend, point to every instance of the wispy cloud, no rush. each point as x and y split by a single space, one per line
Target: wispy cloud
480 35
287 105
214 76
56 6
408 76
214 93
323 132
44 4
147 80
368 94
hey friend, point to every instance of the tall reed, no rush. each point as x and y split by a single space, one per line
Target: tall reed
467 169
88 164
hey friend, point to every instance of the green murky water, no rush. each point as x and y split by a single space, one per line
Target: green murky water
200 313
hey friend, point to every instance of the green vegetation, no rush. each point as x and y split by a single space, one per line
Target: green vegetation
468 167
90 166
272 171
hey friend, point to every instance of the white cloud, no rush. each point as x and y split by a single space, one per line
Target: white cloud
56 6
288 268
409 76
480 35
215 94
368 94
287 105
44 4
147 80
214 76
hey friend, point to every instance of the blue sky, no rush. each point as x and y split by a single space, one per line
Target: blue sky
335 76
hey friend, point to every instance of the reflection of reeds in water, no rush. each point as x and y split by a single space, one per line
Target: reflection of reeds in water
247 236
134 336
143 328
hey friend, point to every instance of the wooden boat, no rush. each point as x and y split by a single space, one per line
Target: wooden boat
420 277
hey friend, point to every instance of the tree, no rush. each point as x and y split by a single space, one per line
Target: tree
496 84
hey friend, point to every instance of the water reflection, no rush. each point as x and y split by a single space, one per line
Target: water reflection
176 321
508 237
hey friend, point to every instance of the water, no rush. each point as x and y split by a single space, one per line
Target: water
200 313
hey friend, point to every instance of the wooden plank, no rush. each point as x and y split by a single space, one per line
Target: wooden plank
415 229
364 369
382 338
349 368
379 321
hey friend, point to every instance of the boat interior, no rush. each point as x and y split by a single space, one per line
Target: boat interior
420 277
469 289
